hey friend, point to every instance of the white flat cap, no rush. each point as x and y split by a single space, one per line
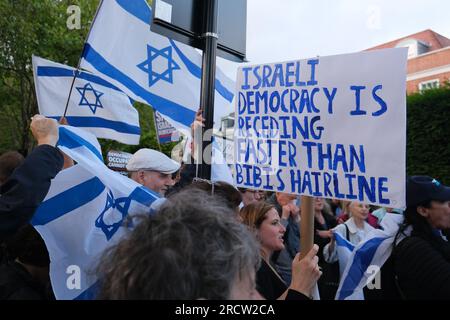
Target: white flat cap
148 159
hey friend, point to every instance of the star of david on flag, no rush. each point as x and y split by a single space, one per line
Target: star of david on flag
135 64
84 97
114 115
68 218
148 67
109 221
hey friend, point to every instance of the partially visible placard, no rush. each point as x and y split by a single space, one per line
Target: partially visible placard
117 161
165 132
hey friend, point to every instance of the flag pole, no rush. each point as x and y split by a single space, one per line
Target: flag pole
75 73
70 91
207 90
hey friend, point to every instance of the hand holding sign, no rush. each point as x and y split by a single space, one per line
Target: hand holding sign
305 272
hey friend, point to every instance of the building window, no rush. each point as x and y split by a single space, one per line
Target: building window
431 84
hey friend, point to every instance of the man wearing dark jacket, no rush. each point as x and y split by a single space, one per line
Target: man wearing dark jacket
28 185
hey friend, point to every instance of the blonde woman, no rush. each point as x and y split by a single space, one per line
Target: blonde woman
354 230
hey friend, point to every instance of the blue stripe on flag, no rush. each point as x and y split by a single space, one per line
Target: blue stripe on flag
96 122
67 201
171 109
143 12
90 293
144 196
140 9
343 242
361 261
197 72
70 140
62 72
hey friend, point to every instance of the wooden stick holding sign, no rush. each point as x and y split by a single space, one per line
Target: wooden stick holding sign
306 225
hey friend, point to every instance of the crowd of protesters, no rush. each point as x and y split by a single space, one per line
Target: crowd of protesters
210 240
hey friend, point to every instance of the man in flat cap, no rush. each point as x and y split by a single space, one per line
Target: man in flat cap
152 169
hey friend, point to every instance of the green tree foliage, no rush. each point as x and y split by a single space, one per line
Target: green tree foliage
30 27
39 27
428 138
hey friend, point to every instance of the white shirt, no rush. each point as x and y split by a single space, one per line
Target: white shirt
355 236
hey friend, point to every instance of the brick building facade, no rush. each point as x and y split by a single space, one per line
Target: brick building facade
428 59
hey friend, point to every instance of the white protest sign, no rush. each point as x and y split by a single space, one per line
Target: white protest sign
332 127
117 161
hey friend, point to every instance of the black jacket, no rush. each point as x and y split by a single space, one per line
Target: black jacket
271 287
328 283
24 191
17 284
422 266
330 223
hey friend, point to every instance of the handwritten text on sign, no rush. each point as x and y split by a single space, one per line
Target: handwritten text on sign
332 127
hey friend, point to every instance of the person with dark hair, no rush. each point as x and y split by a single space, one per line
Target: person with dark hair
229 194
289 213
28 185
422 260
324 221
264 221
192 248
25 276
9 161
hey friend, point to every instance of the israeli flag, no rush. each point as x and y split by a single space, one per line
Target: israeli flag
368 257
344 250
87 209
148 67
95 104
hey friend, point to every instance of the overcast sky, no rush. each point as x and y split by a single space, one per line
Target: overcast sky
279 30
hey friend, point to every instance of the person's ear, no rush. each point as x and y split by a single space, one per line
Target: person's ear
141 176
422 211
